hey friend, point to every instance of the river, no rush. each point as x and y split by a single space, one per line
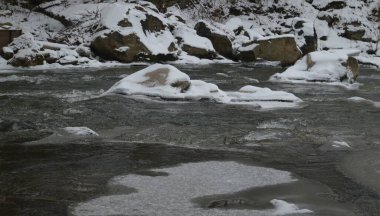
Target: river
155 157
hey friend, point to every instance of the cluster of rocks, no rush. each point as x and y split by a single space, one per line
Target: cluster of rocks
25 51
126 39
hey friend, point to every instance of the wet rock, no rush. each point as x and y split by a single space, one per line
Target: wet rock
281 48
219 39
226 203
353 66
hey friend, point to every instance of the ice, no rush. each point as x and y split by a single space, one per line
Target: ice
171 192
162 85
285 208
80 131
360 99
338 144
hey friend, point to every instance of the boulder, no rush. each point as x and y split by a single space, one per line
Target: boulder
306 35
220 41
26 58
276 48
356 34
194 44
7 53
353 67
136 34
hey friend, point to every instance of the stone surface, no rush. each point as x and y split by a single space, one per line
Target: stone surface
221 42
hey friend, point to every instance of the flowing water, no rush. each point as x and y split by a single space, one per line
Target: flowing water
154 157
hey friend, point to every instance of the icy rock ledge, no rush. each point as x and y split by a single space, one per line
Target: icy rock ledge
169 83
334 67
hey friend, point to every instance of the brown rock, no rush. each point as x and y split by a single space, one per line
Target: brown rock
220 42
159 77
199 52
152 24
108 47
353 66
283 49
27 60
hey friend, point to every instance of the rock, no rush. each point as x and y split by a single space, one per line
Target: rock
7 53
199 52
353 67
50 56
306 35
227 203
152 24
138 34
68 60
354 34
278 48
329 5
26 58
194 44
83 51
219 39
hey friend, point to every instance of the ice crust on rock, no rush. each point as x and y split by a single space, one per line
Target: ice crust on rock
171 194
160 81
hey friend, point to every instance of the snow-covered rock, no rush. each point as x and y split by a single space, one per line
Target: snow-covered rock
305 35
322 67
218 38
130 33
281 48
167 82
194 44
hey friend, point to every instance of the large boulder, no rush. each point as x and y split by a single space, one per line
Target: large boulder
130 33
218 38
281 48
194 44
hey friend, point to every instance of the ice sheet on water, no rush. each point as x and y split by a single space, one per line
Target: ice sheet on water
171 194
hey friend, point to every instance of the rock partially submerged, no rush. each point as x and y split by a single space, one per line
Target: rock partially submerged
168 83
333 67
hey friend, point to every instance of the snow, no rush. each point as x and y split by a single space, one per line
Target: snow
141 83
171 192
285 208
338 144
189 37
360 99
327 68
276 37
80 131
156 42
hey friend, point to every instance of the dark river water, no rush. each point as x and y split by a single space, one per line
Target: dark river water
186 158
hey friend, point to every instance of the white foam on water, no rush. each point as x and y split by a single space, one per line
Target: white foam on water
172 194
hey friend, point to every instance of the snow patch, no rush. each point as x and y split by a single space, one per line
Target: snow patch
80 131
171 194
